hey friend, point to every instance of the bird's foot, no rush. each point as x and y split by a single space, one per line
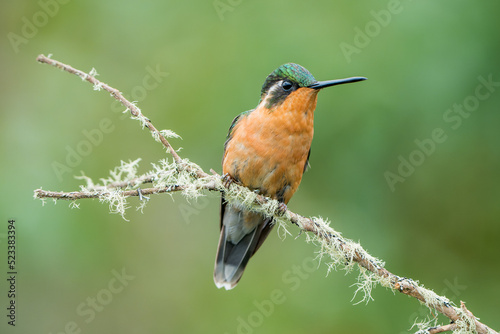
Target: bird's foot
227 180
282 209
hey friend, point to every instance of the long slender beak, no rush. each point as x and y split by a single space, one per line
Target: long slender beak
324 84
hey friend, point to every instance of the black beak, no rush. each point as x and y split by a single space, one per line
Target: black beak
324 84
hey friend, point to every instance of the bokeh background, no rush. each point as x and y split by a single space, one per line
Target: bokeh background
440 226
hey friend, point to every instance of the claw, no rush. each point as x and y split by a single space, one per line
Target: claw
227 180
282 208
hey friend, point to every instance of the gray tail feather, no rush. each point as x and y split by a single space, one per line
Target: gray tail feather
232 258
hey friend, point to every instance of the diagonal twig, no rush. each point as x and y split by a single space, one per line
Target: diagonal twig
134 110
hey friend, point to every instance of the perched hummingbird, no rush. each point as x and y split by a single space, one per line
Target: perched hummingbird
267 150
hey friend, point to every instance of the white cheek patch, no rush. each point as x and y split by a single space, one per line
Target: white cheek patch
272 90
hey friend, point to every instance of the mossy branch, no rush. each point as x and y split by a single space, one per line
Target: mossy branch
186 177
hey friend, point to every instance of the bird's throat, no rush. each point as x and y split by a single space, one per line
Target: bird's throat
295 115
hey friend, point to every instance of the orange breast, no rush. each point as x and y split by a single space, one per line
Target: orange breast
269 147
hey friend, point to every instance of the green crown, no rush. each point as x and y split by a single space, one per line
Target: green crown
295 73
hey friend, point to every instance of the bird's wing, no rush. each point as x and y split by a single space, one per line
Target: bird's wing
228 138
307 165
232 126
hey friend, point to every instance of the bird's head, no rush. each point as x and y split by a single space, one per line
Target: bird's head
290 78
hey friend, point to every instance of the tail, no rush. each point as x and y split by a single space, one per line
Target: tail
242 233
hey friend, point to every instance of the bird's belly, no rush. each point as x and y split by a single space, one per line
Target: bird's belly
272 165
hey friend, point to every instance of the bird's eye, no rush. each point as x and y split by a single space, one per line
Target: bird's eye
287 85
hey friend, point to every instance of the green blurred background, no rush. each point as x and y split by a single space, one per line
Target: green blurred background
440 226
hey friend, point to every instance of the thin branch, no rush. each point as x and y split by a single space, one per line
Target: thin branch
76 195
136 181
340 249
442 329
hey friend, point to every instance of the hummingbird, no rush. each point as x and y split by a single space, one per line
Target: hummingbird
267 150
